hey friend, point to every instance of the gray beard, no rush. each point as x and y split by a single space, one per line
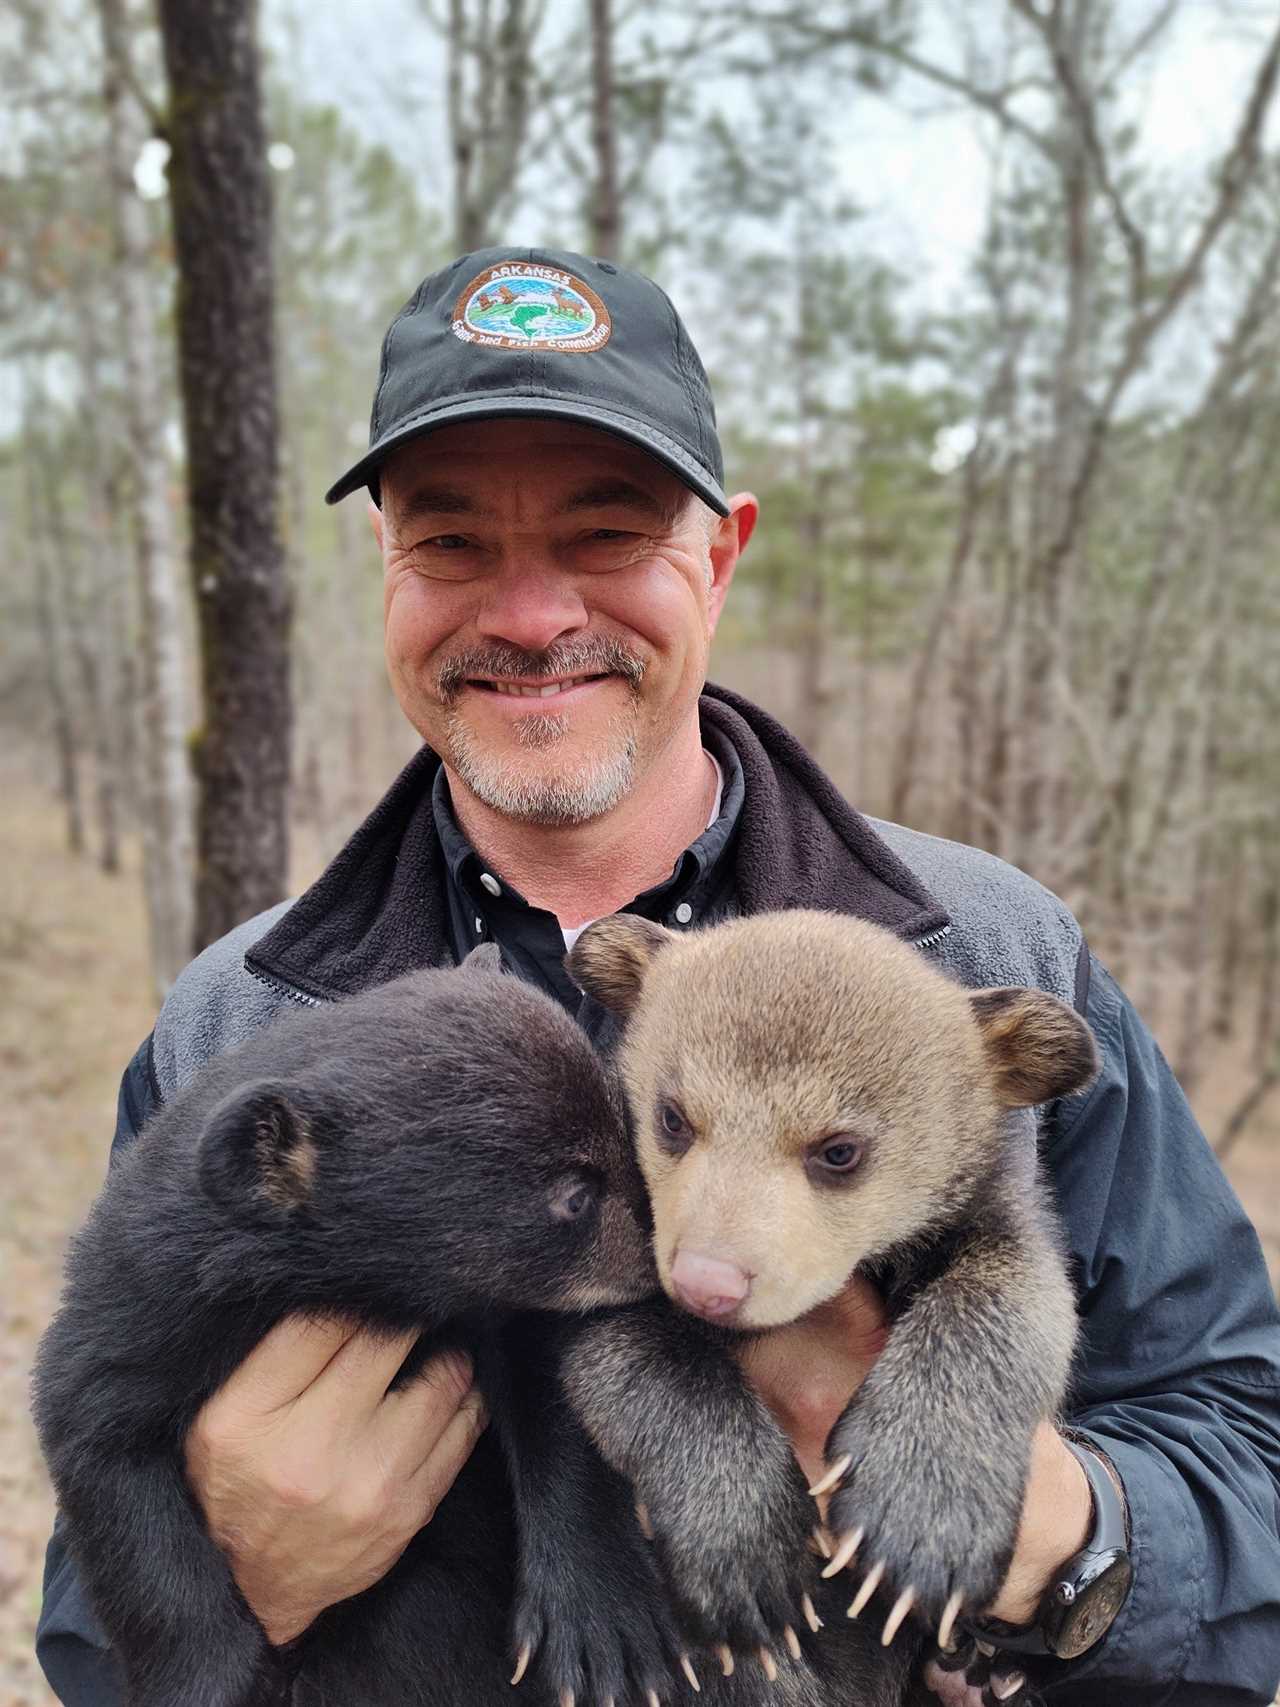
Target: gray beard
575 796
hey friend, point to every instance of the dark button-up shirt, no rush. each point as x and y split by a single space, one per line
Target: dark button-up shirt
484 907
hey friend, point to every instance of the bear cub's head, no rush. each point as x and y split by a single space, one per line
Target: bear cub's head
446 1142
808 1093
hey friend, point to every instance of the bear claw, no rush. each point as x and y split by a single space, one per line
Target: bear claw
870 1583
725 1655
833 1477
893 1622
522 1662
770 1665
946 1624
810 1613
849 1545
687 1668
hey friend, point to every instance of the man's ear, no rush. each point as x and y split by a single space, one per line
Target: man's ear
257 1154
1038 1048
612 957
375 521
728 543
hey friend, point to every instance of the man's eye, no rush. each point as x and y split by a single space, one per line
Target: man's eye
609 533
446 542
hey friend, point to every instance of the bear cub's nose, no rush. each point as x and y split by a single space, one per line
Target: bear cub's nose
707 1286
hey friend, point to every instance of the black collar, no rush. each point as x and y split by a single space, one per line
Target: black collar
381 909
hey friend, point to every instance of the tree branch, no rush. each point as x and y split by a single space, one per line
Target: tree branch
1086 119
1244 1112
1241 161
823 38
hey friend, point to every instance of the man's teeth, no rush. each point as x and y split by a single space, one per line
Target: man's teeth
544 692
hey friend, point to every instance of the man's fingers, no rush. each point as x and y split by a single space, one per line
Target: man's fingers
416 1416
435 1475
287 1361
364 1366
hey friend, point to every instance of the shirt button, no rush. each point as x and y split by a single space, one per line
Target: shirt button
684 912
489 881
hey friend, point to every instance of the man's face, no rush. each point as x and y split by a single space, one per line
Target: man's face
551 594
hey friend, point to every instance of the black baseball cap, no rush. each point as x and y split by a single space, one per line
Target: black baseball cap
549 333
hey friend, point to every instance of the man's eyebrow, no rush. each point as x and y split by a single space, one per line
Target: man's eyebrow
436 501
608 494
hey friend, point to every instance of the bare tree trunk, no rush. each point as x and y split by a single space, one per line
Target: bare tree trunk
55 647
163 767
221 205
63 585
811 650
487 103
926 665
1231 937
105 561
866 701
468 231
606 202
1266 1034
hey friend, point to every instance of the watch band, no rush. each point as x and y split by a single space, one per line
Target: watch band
1087 1592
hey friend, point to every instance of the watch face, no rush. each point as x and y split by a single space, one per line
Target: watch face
1094 1609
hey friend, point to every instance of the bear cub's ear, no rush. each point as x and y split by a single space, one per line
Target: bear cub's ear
612 957
258 1154
484 957
1037 1047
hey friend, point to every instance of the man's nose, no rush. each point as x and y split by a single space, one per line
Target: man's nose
531 604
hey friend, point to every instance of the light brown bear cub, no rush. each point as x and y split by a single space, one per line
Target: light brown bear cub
810 1097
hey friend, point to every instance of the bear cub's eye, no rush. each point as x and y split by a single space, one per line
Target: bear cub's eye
674 1132
838 1155
572 1199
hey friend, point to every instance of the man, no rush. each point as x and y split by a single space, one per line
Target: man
558 547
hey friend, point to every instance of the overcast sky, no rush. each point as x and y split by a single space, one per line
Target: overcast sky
919 174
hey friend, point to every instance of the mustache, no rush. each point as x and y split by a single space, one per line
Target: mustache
592 655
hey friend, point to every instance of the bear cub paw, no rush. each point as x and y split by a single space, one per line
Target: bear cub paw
597 1635
931 1533
744 1582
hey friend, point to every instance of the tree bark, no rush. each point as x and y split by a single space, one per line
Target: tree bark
606 201
105 563
221 204
812 698
163 769
54 646
488 89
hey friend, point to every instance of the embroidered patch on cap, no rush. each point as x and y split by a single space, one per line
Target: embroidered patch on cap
520 305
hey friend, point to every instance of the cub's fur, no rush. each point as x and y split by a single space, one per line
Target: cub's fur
810 1098
444 1153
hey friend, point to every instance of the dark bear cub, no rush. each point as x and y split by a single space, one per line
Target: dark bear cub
444 1153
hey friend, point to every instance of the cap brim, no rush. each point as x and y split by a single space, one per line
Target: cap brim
490 408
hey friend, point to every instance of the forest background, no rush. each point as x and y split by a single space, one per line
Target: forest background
990 298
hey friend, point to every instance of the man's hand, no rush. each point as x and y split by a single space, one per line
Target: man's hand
313 1477
807 1373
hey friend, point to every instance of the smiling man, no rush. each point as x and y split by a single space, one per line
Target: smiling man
548 498
548 638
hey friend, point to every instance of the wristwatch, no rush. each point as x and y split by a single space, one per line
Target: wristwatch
1086 1594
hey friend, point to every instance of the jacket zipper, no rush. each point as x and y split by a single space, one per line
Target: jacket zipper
934 937
283 989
